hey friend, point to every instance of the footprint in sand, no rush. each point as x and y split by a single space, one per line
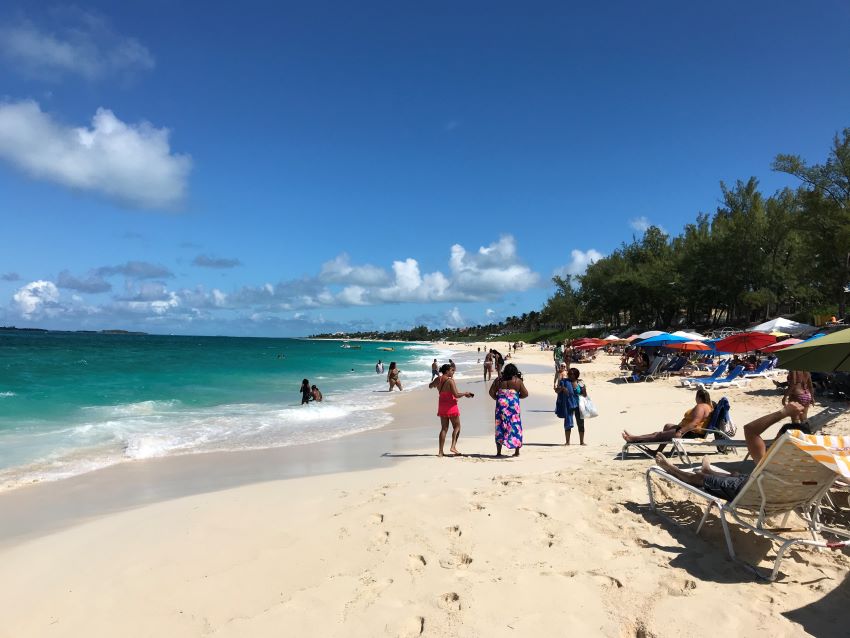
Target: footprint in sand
413 627
476 507
417 562
450 601
457 561
377 519
454 530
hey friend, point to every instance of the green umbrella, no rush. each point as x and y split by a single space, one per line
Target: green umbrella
825 354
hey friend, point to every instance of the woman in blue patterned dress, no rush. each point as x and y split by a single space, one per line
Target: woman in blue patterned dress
507 390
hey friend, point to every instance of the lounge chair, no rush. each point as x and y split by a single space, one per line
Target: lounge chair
720 412
794 476
733 378
765 370
687 382
630 377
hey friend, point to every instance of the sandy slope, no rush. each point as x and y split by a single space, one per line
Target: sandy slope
556 542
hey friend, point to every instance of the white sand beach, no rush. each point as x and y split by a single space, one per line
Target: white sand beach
372 535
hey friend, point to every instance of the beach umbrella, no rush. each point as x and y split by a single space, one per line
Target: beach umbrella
689 346
779 345
783 325
648 334
744 342
631 338
693 336
661 340
587 346
830 353
777 333
612 338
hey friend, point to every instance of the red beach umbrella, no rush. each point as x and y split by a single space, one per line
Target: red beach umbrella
779 345
745 342
589 345
689 346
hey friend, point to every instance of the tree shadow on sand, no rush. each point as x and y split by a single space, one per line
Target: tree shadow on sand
392 455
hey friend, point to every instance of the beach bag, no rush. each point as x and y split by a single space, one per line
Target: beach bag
586 408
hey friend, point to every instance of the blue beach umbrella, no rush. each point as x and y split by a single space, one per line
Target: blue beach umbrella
659 341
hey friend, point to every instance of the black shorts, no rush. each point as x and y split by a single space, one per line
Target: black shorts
726 487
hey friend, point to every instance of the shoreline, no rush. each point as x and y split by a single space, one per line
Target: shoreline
416 545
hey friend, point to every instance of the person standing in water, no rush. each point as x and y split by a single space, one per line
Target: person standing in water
316 394
379 367
392 377
507 390
447 407
306 392
488 366
434 369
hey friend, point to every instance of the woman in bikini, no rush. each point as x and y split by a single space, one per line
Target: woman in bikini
392 377
447 408
800 390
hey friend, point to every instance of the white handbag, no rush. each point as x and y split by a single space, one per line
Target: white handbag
586 408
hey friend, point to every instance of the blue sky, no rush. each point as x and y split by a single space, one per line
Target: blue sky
287 168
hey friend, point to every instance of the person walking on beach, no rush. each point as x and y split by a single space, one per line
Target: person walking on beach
499 361
488 366
447 407
379 367
392 376
558 356
306 392
507 390
434 369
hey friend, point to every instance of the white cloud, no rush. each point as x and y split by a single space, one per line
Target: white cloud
639 224
579 262
131 163
454 319
339 270
210 261
30 299
84 45
490 313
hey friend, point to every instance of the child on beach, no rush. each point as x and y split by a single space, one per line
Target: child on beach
447 407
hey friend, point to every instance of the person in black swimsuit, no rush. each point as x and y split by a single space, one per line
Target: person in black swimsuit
306 392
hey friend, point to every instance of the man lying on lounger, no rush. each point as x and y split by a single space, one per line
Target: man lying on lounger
725 485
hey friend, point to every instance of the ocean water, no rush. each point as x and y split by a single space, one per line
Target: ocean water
74 402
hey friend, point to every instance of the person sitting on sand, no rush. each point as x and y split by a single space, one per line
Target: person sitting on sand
316 394
306 393
507 390
695 420
392 376
721 484
447 407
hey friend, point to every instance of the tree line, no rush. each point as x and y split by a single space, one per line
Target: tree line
757 256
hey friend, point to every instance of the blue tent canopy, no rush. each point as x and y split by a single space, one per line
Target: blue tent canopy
659 341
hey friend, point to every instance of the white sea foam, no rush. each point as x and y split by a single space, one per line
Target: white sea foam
148 429
4 395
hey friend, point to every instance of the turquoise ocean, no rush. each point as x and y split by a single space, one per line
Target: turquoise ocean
74 402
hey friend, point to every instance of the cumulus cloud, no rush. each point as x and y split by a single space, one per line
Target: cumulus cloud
33 298
135 270
339 270
130 163
147 299
490 313
579 262
92 283
10 276
84 45
208 261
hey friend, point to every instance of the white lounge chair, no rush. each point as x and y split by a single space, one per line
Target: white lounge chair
794 476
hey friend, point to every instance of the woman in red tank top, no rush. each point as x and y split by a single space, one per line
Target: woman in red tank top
447 408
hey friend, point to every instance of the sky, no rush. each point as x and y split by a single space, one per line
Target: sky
289 168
